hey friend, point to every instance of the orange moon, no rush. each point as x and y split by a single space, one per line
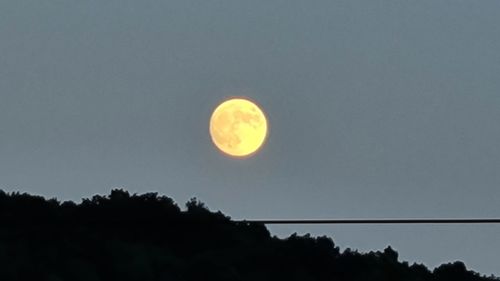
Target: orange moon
238 127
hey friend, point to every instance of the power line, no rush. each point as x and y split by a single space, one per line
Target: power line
378 221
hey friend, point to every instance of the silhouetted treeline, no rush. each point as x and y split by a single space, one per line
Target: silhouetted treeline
148 237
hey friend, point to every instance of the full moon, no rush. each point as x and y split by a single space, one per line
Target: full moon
238 127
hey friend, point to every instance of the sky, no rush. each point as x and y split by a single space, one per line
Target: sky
377 109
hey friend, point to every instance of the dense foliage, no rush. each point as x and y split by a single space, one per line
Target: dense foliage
148 237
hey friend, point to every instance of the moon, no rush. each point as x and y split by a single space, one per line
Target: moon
238 127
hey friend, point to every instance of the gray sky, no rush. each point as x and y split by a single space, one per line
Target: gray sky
377 109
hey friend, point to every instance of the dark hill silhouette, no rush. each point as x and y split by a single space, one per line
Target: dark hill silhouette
148 237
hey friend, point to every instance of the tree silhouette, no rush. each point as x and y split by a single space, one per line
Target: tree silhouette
148 237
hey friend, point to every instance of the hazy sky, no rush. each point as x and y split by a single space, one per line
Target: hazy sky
377 109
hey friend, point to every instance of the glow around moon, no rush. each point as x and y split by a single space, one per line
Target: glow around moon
238 127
